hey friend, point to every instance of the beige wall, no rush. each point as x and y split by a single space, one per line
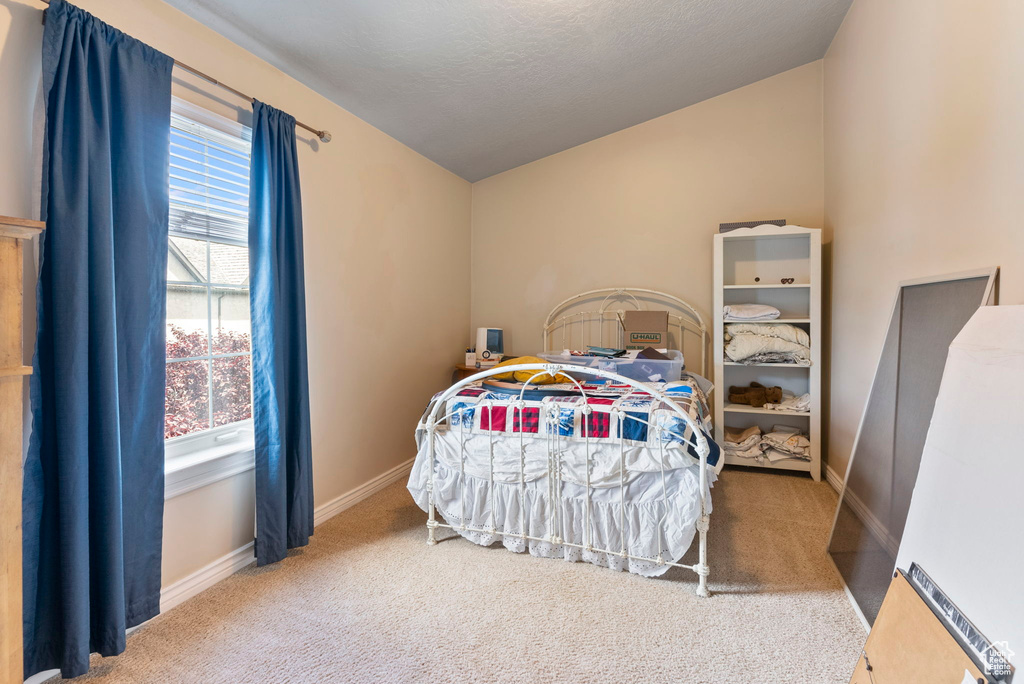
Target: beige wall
381 223
924 168
915 167
639 207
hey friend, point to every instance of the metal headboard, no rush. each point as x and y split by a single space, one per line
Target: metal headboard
592 318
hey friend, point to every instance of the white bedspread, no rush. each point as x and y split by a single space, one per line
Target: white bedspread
513 506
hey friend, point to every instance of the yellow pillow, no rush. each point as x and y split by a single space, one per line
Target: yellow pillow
524 375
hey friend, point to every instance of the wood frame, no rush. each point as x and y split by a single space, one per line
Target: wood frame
13 233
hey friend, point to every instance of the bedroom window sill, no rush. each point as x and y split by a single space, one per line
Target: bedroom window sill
196 461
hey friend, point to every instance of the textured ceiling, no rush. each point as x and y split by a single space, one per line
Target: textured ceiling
482 86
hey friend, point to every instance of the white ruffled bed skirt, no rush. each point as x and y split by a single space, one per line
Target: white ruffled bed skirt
641 514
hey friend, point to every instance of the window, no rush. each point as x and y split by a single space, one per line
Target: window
209 397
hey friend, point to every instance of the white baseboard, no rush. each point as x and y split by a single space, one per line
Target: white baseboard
849 596
227 565
205 577
185 588
834 479
40 677
363 491
874 525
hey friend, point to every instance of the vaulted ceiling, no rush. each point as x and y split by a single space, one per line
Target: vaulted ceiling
482 86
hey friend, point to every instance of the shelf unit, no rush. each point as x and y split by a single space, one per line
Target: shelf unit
781 366
777 320
743 408
769 254
761 286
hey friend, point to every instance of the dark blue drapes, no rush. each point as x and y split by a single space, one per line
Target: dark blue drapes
280 385
94 486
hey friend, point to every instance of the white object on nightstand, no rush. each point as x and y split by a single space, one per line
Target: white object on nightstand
750 265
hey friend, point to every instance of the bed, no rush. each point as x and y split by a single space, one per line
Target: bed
629 465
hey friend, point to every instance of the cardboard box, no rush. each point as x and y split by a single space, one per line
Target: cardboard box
646 329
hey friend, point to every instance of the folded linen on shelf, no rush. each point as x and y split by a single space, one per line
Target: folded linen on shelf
745 443
784 331
750 312
790 402
741 437
785 441
745 345
772 357
753 452
774 456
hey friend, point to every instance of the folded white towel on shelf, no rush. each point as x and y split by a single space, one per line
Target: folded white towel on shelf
750 312
791 402
784 331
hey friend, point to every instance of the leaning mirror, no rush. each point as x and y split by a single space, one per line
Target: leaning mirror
926 316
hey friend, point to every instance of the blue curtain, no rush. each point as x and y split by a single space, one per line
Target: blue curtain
280 385
93 487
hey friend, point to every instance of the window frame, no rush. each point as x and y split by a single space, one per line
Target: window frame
201 458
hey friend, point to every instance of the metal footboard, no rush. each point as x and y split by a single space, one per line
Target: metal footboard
437 415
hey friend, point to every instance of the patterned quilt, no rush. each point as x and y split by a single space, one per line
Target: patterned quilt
608 414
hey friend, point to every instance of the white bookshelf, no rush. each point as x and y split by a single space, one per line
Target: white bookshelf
749 265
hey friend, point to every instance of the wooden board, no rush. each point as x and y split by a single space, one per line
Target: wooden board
908 643
12 383
10 303
22 229
11 386
10 530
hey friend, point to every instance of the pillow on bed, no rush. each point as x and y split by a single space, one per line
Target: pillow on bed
524 375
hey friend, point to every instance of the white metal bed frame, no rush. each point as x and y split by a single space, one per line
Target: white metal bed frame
682 317
436 416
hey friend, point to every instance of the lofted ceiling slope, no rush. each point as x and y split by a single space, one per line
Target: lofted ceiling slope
482 86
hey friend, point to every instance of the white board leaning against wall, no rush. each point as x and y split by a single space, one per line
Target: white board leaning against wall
965 527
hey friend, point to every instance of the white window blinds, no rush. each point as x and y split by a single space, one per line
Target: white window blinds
209 182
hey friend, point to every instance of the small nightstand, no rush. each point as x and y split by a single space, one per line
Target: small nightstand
462 371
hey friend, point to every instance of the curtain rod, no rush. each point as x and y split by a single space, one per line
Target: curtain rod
324 135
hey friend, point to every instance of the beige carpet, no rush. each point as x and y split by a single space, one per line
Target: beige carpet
368 601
